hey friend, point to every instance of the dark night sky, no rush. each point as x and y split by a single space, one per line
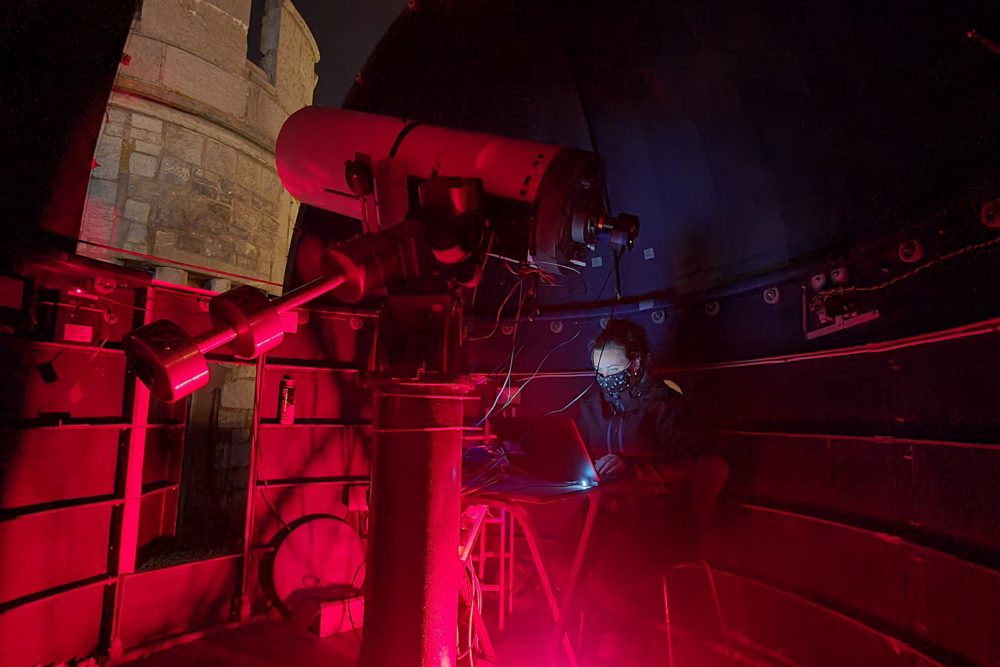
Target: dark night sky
346 32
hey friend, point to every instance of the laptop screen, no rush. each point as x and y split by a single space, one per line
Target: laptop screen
547 449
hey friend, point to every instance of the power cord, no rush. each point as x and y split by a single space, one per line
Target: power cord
350 614
820 297
552 412
496 323
513 347
537 370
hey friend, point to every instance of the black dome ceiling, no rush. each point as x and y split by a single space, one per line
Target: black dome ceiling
745 135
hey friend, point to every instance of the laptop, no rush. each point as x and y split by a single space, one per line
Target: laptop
549 450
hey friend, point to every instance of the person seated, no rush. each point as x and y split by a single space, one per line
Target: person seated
633 425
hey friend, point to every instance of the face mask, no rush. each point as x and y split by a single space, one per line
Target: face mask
617 383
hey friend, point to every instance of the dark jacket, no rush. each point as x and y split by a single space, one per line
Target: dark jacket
642 425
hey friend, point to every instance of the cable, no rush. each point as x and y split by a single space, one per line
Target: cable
552 412
561 266
820 297
475 290
571 288
496 324
496 369
510 369
350 615
542 363
475 602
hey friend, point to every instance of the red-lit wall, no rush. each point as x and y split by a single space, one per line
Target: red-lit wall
861 519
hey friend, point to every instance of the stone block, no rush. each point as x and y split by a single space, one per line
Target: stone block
150 190
264 113
190 244
105 192
147 148
238 9
234 191
270 208
236 420
117 115
238 233
137 211
245 262
203 189
270 225
170 274
137 233
219 212
221 159
201 80
164 242
237 393
108 158
173 170
244 248
271 28
184 144
218 284
248 172
209 217
147 123
145 135
169 217
204 175
245 217
198 27
114 129
217 248
146 58
142 165
270 186
98 223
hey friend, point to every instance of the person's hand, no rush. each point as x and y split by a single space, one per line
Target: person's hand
609 466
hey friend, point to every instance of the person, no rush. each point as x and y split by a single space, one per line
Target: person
633 425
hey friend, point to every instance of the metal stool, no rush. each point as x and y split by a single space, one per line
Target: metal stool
710 475
718 611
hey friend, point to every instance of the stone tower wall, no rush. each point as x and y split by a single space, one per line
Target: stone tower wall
184 168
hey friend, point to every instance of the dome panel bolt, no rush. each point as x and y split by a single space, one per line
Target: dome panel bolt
910 251
990 213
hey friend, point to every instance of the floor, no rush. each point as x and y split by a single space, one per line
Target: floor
278 643
267 643
273 643
523 643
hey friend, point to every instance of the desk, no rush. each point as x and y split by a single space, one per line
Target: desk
513 502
